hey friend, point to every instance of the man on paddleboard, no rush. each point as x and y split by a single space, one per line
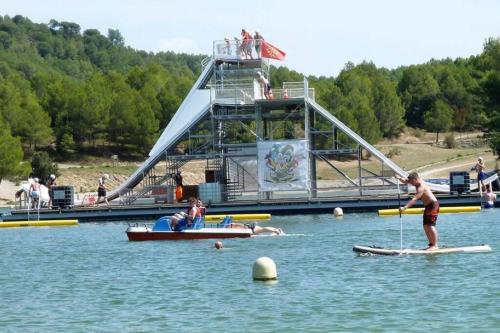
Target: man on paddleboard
431 205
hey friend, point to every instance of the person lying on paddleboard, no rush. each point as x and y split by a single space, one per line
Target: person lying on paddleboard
431 205
257 229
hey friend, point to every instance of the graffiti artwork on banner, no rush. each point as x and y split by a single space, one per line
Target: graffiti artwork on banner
283 165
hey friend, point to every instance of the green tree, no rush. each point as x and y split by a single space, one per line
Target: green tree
11 154
388 108
91 115
115 37
418 91
20 108
495 143
439 118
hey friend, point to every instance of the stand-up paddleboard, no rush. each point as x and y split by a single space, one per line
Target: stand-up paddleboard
443 250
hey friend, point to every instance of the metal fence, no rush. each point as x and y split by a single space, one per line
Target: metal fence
236 49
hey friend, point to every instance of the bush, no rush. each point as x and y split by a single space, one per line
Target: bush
42 166
449 141
393 152
417 132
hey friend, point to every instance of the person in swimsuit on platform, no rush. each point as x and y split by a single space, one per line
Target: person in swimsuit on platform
481 175
35 193
431 205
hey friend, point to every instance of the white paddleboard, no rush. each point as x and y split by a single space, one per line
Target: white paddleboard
383 251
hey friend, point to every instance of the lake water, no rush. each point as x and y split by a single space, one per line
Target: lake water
90 278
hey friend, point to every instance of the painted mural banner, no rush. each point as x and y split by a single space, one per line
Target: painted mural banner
283 165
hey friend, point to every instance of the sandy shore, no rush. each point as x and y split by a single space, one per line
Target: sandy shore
7 193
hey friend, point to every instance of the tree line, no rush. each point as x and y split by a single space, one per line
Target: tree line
75 90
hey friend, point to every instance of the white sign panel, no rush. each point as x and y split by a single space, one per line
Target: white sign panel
283 165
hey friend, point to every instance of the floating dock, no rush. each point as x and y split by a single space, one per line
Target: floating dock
41 223
238 217
274 207
459 209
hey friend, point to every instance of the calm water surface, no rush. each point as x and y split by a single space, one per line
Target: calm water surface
90 278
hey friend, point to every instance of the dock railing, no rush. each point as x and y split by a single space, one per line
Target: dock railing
235 49
290 90
237 91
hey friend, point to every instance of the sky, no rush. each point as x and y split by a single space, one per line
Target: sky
319 37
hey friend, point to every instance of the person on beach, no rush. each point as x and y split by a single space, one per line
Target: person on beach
192 213
431 205
481 176
101 189
257 229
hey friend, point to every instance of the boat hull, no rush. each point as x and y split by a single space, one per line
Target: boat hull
146 234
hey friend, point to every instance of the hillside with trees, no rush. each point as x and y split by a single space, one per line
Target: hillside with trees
71 92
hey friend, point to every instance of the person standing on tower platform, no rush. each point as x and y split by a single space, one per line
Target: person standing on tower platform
266 86
258 39
246 44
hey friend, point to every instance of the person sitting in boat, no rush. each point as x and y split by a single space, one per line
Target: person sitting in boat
257 229
192 213
203 209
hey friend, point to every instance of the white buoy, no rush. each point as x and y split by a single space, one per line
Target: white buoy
338 212
264 269
218 245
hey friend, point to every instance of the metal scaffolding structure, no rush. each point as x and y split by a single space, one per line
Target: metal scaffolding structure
226 116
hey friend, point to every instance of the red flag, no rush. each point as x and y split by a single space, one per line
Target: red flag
271 51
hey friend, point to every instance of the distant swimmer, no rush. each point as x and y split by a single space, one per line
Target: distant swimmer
431 205
490 197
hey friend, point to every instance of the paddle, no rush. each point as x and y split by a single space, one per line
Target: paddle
400 219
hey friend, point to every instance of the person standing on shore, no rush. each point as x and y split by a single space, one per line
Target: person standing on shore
431 205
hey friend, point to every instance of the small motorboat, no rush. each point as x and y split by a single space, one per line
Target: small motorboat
161 230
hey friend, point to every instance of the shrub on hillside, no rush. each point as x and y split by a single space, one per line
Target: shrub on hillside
393 152
42 166
449 141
